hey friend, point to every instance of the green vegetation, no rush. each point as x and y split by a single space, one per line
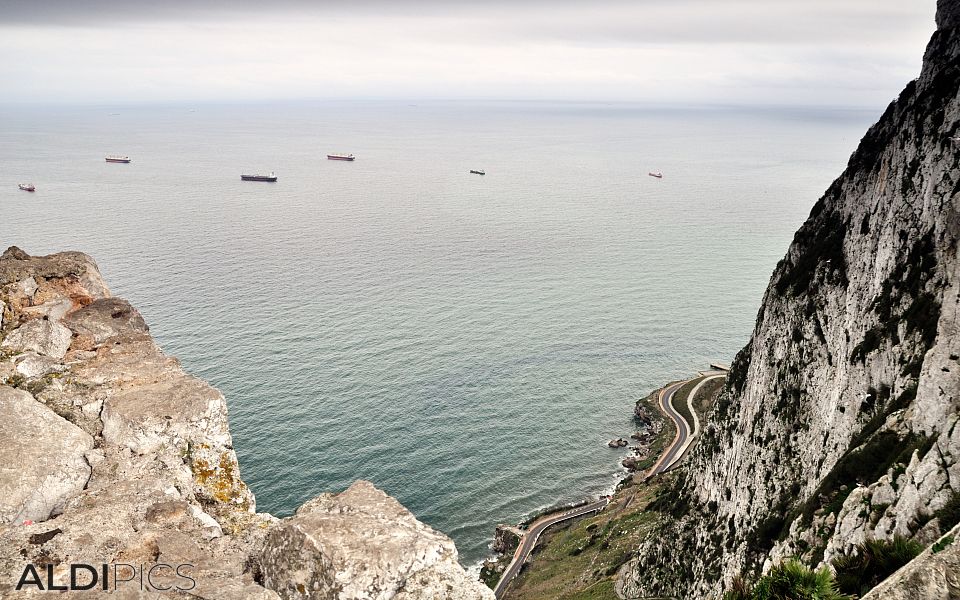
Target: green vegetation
941 545
819 243
789 580
16 380
707 396
490 574
908 280
671 499
668 430
862 464
579 560
949 515
871 562
680 400
737 377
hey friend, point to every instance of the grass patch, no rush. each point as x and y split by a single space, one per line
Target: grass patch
708 395
579 561
680 403
871 562
942 544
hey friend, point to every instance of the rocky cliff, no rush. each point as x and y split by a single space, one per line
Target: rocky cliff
839 419
111 455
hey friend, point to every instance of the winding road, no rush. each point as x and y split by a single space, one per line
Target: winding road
674 452
683 430
529 540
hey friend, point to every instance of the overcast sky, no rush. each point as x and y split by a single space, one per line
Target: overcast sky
810 52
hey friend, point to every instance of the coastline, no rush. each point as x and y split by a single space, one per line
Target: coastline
126 461
491 569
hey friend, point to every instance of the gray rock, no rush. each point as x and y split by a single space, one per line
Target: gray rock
506 539
54 310
930 576
856 342
41 460
948 14
164 483
42 336
105 319
74 271
27 287
362 544
31 364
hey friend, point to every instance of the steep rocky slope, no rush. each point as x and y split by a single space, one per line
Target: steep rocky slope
839 420
110 454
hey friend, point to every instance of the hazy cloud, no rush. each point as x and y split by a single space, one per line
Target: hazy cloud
813 51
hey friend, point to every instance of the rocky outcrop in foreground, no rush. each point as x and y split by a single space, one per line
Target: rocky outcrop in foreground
111 455
839 421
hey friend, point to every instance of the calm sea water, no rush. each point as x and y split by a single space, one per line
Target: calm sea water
467 343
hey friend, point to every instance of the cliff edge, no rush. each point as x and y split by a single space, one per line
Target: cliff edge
113 458
839 422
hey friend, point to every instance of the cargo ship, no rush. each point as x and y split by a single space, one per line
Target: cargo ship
117 159
257 177
340 157
656 174
478 171
27 187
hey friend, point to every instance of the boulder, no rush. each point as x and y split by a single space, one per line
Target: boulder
105 319
31 364
77 271
506 539
362 544
42 336
41 460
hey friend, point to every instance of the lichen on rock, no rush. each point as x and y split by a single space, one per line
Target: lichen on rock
111 453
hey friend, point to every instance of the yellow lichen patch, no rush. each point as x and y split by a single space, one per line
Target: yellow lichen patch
220 482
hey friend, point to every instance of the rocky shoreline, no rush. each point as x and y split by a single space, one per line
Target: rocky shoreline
648 425
114 457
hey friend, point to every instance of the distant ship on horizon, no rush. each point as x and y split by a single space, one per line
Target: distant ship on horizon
257 177
112 158
340 157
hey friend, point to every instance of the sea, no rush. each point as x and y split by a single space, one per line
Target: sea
468 343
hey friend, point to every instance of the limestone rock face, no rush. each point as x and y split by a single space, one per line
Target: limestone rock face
42 466
839 421
104 319
110 453
45 337
948 14
362 544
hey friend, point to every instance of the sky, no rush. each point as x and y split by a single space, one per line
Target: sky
856 53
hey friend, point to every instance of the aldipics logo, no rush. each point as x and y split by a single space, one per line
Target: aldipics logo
157 577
